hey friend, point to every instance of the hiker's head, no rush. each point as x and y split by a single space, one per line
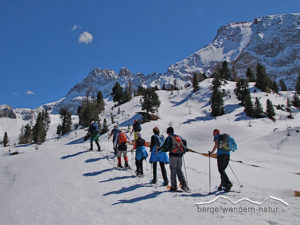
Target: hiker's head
139 135
216 132
156 130
92 122
170 130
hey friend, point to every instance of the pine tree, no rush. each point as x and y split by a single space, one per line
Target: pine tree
270 109
39 130
275 87
100 102
150 101
127 95
195 83
66 117
117 93
224 71
140 90
249 106
297 87
282 85
296 101
59 130
28 134
250 75
5 139
217 102
263 81
87 113
104 127
242 90
258 110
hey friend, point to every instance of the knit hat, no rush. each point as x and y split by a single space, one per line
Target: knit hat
170 130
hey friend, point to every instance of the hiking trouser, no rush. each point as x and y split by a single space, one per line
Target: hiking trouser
121 152
97 143
163 171
175 168
223 161
139 166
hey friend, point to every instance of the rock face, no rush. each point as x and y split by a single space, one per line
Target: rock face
7 111
273 41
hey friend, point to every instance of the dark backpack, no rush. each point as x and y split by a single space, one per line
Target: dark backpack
137 126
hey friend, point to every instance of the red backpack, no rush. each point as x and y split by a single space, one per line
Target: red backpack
122 138
177 145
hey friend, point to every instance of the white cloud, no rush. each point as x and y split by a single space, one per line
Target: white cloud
29 92
76 27
85 38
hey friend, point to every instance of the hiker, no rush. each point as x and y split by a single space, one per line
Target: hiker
136 128
94 135
140 154
114 133
174 145
121 146
157 141
223 157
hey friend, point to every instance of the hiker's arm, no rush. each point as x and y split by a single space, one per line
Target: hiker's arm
152 142
214 148
133 147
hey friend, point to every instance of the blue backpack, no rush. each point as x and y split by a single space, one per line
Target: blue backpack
227 143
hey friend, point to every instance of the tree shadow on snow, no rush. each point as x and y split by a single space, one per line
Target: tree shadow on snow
182 101
77 141
124 189
138 199
73 155
97 159
97 173
200 118
231 108
117 178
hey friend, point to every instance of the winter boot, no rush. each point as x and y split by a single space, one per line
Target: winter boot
228 187
119 163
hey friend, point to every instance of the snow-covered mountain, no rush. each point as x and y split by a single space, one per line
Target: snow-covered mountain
273 41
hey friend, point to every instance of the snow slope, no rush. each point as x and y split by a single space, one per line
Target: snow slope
60 182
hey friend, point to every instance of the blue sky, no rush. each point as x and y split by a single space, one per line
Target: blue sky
47 46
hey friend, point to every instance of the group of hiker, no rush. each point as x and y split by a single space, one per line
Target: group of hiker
159 146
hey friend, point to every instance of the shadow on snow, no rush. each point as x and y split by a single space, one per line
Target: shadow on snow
73 155
138 199
117 178
97 172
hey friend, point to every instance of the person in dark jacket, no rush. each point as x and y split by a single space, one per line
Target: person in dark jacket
94 135
223 158
114 133
156 156
173 144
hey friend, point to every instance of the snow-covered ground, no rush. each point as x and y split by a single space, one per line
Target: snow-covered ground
60 182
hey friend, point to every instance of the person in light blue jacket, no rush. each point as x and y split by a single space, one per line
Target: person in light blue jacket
157 141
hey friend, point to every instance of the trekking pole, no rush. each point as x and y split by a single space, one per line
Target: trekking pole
209 179
235 176
185 171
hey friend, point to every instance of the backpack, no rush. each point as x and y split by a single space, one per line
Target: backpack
137 126
179 144
122 138
160 139
95 129
140 142
227 143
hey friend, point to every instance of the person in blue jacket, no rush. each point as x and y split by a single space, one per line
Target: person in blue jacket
157 141
140 154
223 158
